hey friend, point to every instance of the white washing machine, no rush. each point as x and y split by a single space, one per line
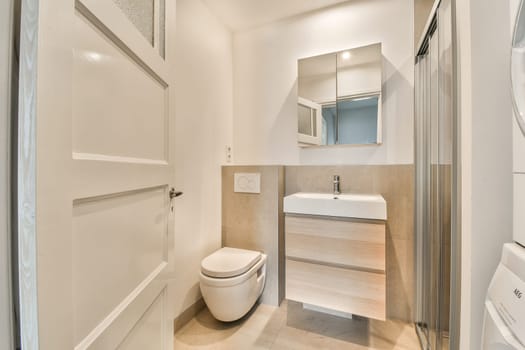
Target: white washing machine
504 318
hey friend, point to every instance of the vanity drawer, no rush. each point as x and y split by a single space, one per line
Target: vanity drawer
351 291
359 244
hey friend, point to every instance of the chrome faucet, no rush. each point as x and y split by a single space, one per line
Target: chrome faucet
337 188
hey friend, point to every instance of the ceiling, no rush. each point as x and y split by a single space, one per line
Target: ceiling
240 15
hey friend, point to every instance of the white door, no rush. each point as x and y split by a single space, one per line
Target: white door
95 168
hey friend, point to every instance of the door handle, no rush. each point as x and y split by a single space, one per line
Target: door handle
174 194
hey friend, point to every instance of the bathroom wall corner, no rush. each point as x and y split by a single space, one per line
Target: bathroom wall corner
188 314
201 134
281 243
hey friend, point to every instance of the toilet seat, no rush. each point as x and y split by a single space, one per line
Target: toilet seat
229 262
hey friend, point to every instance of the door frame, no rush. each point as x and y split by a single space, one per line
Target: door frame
6 290
26 175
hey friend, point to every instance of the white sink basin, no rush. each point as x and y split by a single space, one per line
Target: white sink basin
362 206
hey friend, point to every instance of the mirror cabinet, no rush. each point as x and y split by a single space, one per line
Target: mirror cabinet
339 98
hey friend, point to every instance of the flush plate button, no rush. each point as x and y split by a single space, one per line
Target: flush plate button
247 183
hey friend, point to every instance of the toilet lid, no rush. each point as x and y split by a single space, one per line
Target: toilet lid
229 262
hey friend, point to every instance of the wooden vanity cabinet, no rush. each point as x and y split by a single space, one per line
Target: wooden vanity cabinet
337 263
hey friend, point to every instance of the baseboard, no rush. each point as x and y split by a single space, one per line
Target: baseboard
188 314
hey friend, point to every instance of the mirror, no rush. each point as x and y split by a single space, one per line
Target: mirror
339 98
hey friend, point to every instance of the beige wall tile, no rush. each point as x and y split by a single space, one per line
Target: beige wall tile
255 221
396 184
400 279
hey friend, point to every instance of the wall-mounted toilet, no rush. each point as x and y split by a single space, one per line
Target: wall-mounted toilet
231 281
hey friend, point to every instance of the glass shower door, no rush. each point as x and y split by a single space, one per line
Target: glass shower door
434 147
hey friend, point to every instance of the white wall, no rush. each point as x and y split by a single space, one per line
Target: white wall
203 86
265 82
486 113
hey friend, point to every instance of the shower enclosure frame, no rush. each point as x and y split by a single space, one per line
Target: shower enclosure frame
441 26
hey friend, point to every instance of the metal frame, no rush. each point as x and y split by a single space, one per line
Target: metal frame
455 249
420 126
422 45
422 172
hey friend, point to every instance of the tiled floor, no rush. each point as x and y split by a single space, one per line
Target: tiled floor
445 345
291 327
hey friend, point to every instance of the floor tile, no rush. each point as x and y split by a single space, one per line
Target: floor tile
291 327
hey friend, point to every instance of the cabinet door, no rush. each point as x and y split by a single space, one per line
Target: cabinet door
337 264
352 244
351 291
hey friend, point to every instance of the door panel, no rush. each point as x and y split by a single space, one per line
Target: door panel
113 22
96 175
118 326
133 228
104 165
147 334
119 109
